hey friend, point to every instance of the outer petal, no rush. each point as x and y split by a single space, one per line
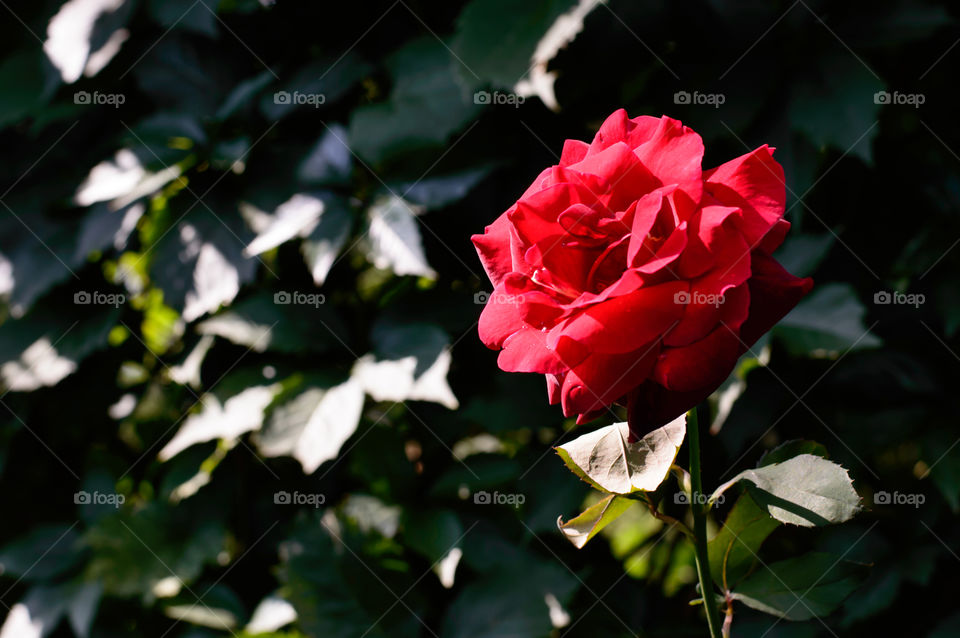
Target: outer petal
702 364
499 249
651 405
573 152
754 183
707 231
674 154
624 324
773 293
603 379
618 127
524 351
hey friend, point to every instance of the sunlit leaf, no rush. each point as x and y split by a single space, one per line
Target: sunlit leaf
606 460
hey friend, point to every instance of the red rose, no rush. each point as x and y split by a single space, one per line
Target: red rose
629 274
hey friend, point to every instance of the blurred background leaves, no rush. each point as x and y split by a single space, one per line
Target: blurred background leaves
242 391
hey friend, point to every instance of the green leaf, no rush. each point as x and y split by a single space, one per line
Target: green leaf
580 529
516 28
29 81
314 425
330 160
134 552
805 490
427 105
607 461
837 108
517 599
801 588
43 553
409 362
289 322
432 533
437 192
826 323
321 248
199 263
393 241
800 254
330 77
733 551
38 350
791 449
236 416
185 14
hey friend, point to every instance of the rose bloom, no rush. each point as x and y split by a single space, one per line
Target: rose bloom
628 274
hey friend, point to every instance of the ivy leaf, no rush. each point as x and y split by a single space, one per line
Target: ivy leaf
733 551
393 238
607 461
790 449
437 192
199 264
826 323
805 490
321 248
801 588
296 217
409 362
237 415
580 529
314 425
517 30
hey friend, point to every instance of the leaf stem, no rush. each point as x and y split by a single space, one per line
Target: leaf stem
728 618
700 526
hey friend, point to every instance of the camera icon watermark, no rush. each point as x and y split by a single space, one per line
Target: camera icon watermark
299 498
682 498
96 98
96 298
498 97
900 99
297 98
497 498
887 298
483 297
686 298
99 498
898 498
699 99
296 298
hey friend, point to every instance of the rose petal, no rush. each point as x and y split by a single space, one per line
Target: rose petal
624 323
602 379
674 154
773 293
754 183
524 351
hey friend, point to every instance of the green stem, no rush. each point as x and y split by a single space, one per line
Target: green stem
700 526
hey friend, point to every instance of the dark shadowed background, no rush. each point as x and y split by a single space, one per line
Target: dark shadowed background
241 390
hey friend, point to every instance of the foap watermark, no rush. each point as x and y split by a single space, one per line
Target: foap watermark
899 99
887 298
498 498
483 297
299 498
695 298
96 98
296 298
899 498
699 99
97 298
297 98
498 97
99 498
682 498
